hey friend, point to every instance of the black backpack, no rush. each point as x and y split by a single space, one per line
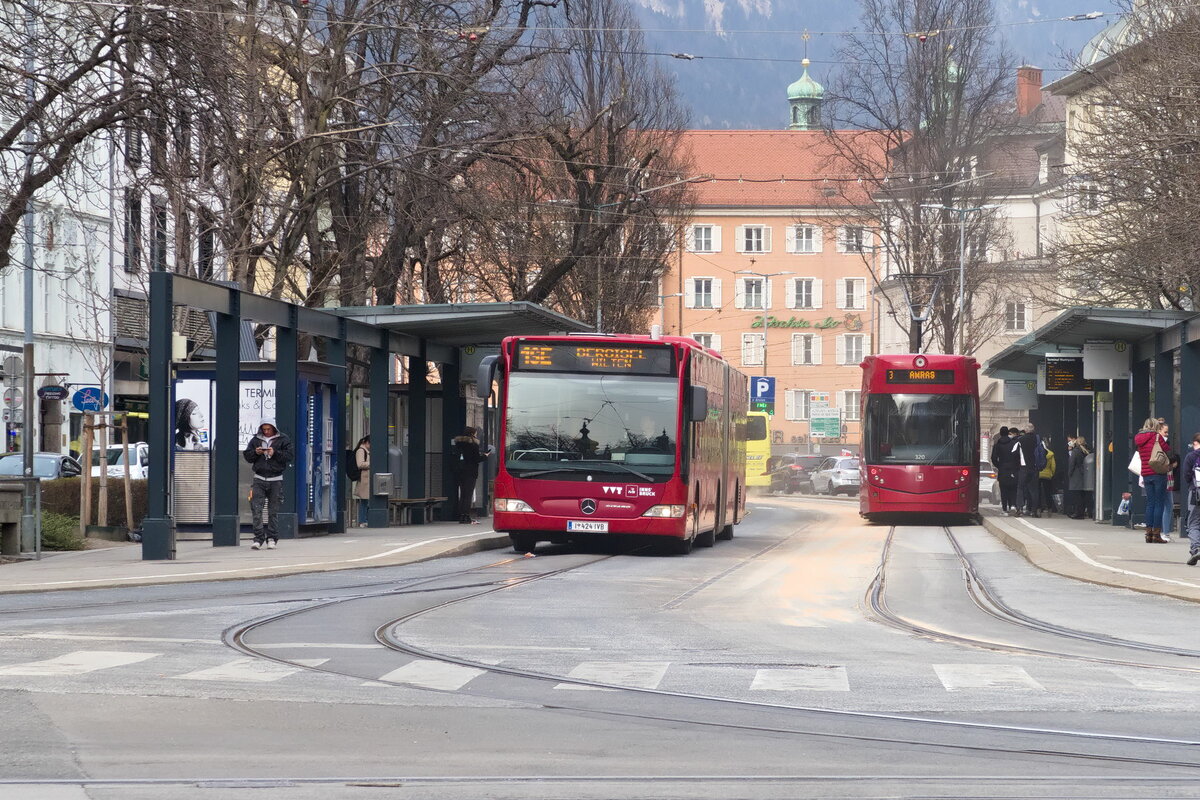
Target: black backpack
350 464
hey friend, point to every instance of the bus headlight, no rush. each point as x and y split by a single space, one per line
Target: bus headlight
510 504
665 511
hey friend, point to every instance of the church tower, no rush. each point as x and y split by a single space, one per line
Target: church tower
804 97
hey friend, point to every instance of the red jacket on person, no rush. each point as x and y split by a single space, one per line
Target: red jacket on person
1144 442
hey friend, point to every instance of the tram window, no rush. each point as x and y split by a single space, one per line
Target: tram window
920 429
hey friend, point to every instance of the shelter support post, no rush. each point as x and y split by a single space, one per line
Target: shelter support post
1189 393
418 391
1164 391
225 455
287 404
377 505
336 349
1122 448
158 529
454 419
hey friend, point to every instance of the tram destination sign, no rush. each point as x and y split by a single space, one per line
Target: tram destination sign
943 376
1064 375
610 358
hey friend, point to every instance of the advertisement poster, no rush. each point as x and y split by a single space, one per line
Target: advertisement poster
257 400
193 410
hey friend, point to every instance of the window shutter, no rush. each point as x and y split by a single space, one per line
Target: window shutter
766 238
790 404
789 298
818 236
816 349
689 293
740 239
839 294
716 238
767 301
797 349
841 349
739 293
841 239
818 293
716 342
860 293
690 239
716 292
790 239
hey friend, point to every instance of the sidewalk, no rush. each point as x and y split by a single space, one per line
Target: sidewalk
1099 553
122 565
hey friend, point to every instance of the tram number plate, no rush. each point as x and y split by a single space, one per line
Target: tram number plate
587 526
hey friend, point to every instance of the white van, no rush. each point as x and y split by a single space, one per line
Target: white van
139 463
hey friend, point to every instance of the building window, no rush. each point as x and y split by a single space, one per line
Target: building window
206 248
853 239
805 239
754 239
752 349
705 339
702 288
158 233
752 293
702 238
852 293
1043 167
806 349
133 231
805 293
797 403
1089 198
850 404
1016 317
851 346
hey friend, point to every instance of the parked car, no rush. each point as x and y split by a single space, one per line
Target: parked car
46 466
837 474
792 472
139 461
989 487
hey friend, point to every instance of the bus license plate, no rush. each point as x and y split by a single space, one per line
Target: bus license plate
587 526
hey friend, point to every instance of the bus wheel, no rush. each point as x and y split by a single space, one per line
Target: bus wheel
706 539
681 547
523 542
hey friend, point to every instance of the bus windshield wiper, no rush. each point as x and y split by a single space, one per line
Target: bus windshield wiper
591 466
566 467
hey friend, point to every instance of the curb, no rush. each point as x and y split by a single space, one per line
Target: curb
1047 556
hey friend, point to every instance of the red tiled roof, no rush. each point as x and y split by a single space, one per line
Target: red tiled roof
784 169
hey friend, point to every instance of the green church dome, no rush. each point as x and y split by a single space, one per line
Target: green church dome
805 88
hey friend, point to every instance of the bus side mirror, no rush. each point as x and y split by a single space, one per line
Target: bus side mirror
698 401
756 429
485 375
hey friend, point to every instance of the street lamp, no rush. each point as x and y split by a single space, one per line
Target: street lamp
766 276
662 309
962 256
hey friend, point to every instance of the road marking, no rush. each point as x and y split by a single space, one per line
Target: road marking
99 637
1156 683
638 674
801 679
1082 556
317 646
432 675
964 677
245 670
77 663
515 647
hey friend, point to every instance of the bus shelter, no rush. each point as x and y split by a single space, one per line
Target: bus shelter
1100 372
311 397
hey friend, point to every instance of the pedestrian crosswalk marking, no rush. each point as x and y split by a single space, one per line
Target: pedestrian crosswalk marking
638 674
961 677
432 675
1156 683
77 663
247 670
797 679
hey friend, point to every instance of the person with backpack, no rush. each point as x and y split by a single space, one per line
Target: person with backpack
465 458
1031 456
362 478
1046 481
1191 521
1151 449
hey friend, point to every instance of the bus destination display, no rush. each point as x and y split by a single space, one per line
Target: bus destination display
629 359
920 376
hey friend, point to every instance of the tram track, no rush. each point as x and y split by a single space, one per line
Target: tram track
926 732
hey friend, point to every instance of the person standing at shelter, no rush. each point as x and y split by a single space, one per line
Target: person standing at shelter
465 458
1077 477
1046 481
269 453
1006 464
1152 451
1031 457
362 487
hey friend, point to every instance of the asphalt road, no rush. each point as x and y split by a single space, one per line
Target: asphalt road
811 656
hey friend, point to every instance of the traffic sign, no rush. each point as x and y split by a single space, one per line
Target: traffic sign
53 392
90 399
762 388
763 407
825 423
13 398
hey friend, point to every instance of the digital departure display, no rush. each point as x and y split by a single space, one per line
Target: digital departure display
920 376
591 357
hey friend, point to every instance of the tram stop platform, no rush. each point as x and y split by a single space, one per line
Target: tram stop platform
121 565
1099 552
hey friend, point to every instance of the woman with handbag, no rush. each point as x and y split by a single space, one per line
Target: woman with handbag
1151 448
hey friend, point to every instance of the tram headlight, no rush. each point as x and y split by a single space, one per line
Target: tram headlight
665 511
510 504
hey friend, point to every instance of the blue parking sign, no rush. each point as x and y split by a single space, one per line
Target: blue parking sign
762 389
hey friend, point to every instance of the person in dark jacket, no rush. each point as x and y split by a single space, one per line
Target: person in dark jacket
1077 487
269 452
1027 449
1191 499
1155 483
465 458
1006 463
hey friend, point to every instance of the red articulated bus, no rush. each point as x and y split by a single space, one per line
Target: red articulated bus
920 443
605 434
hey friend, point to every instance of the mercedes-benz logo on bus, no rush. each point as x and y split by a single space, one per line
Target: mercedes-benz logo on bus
587 506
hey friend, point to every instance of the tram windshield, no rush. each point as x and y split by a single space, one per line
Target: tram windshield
564 426
920 429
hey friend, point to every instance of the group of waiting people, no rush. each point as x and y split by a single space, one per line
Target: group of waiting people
1025 469
1161 474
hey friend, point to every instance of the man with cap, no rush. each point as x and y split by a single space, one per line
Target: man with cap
269 452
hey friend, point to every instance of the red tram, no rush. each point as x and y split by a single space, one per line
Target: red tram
920 447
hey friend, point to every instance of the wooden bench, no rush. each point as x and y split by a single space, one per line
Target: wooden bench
400 509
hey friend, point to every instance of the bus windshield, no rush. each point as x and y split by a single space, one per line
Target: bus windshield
562 426
920 429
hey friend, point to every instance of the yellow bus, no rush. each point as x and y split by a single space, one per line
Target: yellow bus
757 454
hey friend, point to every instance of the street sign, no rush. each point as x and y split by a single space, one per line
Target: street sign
825 423
53 392
13 398
763 407
90 399
762 389
13 367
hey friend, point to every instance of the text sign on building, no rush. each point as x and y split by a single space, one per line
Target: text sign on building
1064 375
1105 359
762 389
90 399
1020 395
825 423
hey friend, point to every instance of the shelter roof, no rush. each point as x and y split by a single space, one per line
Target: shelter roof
457 324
